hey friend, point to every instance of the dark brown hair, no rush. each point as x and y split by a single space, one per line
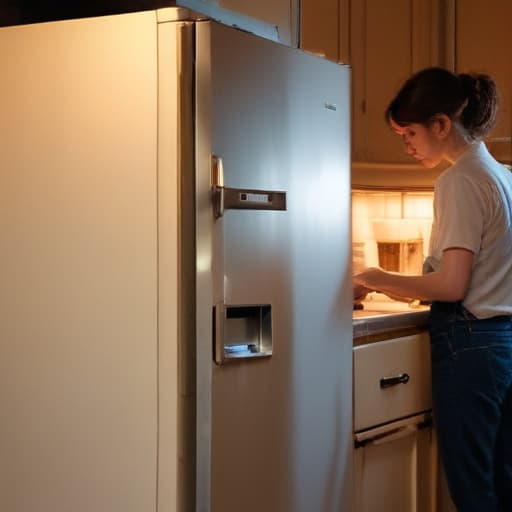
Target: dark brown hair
470 98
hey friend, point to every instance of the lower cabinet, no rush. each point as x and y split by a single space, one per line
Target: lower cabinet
395 449
395 467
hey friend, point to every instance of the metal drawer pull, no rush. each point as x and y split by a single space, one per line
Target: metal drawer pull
392 431
391 435
387 382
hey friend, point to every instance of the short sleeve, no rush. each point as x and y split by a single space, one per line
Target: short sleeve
460 214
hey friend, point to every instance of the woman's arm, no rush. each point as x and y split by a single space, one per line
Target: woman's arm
449 284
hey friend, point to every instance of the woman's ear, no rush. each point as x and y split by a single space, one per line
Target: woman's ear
441 126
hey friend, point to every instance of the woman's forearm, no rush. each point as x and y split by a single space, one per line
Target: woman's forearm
427 287
449 284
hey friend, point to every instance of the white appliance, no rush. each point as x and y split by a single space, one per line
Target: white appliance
176 328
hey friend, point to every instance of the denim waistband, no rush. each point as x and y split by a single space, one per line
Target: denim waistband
445 314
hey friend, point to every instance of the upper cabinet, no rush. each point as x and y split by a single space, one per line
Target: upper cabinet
483 44
388 42
384 42
272 19
325 28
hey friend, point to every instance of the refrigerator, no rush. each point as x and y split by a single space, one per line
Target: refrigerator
176 299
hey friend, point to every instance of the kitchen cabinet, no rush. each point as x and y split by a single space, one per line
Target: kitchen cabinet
384 42
325 28
482 43
396 461
272 19
396 470
388 42
395 452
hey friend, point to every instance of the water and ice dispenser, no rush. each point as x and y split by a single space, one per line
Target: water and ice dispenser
242 332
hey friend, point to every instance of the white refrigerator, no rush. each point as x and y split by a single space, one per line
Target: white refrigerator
176 311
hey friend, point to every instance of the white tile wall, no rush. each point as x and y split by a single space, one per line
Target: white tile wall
391 216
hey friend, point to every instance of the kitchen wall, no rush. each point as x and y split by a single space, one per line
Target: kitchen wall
391 229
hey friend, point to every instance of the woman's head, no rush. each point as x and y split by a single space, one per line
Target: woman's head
435 100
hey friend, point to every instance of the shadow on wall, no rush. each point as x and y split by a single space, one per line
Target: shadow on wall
18 12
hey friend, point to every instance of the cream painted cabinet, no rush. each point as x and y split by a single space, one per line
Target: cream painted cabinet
483 44
396 462
384 42
325 28
388 42
395 453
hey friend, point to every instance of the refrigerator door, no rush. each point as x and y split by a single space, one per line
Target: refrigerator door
274 294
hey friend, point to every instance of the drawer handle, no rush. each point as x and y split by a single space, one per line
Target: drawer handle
387 382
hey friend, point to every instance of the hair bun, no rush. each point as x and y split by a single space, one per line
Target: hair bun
480 113
469 84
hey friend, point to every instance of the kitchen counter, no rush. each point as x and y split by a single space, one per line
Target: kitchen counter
384 319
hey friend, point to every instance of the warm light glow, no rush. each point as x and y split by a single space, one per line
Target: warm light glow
388 216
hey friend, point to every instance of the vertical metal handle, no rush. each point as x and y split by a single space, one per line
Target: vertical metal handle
217 172
218 334
225 198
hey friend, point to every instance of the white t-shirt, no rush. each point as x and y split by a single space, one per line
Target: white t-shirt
473 210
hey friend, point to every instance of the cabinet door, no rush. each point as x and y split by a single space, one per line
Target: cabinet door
389 41
272 19
483 44
396 470
324 28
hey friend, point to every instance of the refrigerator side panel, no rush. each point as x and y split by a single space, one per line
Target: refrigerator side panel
168 190
176 264
204 249
281 423
78 265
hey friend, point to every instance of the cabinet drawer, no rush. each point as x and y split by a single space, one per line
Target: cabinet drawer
391 380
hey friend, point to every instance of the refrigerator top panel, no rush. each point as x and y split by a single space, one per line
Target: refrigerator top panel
276 275
276 20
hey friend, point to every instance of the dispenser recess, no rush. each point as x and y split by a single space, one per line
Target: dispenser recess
242 332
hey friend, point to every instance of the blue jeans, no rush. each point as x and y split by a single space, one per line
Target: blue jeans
472 405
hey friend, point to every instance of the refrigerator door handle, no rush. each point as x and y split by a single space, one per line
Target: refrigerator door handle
217 173
225 198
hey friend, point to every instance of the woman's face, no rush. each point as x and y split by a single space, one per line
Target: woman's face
420 142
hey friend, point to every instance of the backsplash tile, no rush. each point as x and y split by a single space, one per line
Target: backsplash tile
391 229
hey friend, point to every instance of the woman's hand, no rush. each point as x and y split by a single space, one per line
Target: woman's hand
360 293
369 278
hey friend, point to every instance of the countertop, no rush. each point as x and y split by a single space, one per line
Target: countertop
384 319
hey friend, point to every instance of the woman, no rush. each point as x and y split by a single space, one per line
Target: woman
467 278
